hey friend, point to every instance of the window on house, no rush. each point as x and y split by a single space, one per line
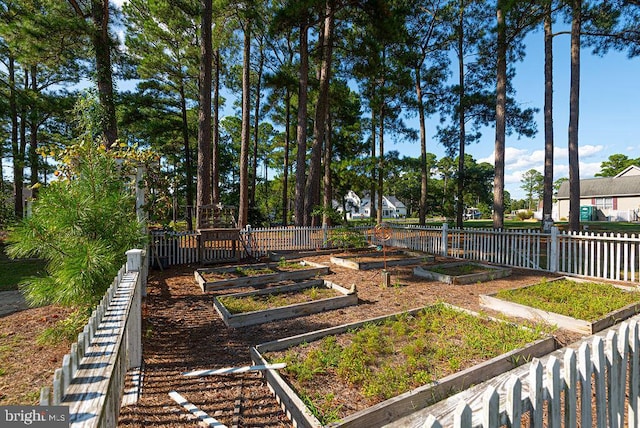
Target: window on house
604 203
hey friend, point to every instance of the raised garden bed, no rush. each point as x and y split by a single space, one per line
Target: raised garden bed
212 279
287 301
376 260
461 272
371 373
574 304
276 256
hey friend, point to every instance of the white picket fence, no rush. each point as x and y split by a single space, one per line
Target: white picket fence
594 384
91 379
607 256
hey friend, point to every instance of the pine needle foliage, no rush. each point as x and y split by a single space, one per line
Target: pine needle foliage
81 225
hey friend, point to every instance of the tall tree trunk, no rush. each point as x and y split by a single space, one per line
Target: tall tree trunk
422 210
380 165
372 201
285 171
301 158
256 132
243 215
33 132
187 156
547 194
327 186
312 188
203 193
501 103
461 121
15 144
104 78
215 164
574 101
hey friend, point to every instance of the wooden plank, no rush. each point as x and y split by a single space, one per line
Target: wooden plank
492 272
347 298
211 422
235 370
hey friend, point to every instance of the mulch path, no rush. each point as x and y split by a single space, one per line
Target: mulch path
183 332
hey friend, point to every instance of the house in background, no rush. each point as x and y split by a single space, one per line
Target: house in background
606 199
358 207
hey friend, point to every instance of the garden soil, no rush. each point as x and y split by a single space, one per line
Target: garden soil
183 332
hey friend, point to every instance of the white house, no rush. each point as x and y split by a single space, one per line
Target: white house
358 207
610 198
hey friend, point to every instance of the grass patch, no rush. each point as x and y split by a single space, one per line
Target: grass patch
587 301
13 272
237 305
380 361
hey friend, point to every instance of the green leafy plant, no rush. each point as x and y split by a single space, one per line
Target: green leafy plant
66 329
347 238
81 226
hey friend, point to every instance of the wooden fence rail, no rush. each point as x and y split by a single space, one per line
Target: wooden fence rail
91 379
607 256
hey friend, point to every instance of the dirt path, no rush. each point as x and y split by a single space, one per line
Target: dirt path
183 332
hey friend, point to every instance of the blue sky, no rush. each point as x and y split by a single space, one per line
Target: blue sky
609 119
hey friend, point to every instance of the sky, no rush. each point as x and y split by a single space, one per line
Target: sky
609 114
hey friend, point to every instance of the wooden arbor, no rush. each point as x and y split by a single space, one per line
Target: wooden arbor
218 234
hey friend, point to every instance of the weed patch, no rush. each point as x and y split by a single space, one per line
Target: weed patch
251 303
581 300
378 361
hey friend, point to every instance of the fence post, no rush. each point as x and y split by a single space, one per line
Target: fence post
134 322
325 235
445 239
552 251
140 211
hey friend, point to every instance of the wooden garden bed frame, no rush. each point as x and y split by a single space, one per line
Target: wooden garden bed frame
490 273
490 301
314 269
345 298
394 408
413 258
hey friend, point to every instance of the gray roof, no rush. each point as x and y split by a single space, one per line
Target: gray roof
604 187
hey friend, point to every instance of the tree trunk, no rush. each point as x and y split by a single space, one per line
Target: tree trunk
203 195
328 190
380 165
33 132
104 79
372 203
422 210
301 159
462 122
547 198
243 214
15 144
574 99
187 156
256 133
215 164
285 172
501 102
312 188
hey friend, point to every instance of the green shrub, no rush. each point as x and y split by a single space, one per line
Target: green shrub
81 225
